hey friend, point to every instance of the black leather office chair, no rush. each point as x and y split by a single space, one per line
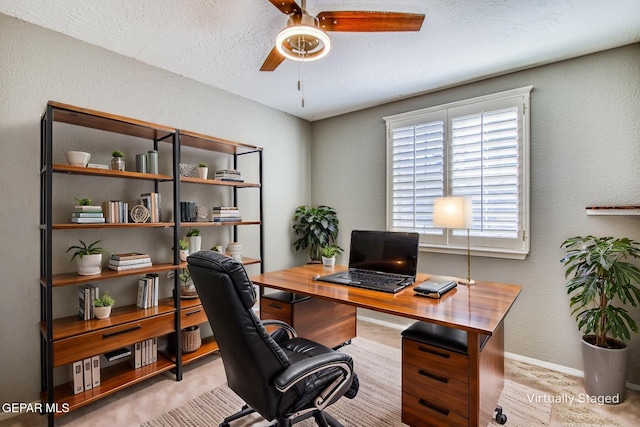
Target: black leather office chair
278 375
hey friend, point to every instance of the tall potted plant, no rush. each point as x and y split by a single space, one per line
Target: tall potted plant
600 275
316 227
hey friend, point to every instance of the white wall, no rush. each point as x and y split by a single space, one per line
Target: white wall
39 65
584 151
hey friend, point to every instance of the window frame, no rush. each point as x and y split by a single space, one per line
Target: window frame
455 241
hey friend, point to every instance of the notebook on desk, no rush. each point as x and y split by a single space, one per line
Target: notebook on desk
380 260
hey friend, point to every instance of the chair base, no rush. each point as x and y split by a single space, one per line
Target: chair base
322 418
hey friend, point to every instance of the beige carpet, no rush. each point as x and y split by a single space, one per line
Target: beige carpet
376 405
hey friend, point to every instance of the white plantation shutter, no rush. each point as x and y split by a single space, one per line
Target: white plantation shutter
476 148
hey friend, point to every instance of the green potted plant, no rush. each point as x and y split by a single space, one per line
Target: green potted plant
83 201
203 170
89 258
600 276
315 227
102 306
329 253
117 163
184 251
195 241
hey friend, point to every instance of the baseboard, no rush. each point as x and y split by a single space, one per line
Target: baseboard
512 356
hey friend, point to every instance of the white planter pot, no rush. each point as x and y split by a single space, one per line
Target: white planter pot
184 253
102 312
195 244
605 371
89 265
203 172
328 262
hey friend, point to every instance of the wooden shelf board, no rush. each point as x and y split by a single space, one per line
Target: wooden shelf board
218 182
93 119
209 346
65 226
205 142
217 224
113 378
65 327
614 210
110 173
65 279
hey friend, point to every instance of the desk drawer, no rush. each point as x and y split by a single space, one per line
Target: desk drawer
446 363
69 350
417 412
192 316
432 387
278 309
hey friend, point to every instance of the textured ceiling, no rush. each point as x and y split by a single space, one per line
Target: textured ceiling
223 43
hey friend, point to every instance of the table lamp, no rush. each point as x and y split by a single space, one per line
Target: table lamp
455 213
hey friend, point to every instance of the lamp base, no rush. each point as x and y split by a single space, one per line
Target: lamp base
465 282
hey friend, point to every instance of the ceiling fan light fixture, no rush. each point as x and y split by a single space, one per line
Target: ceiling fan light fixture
303 41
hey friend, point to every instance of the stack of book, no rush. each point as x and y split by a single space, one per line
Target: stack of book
151 201
148 291
129 261
116 211
87 215
225 214
144 353
86 295
228 175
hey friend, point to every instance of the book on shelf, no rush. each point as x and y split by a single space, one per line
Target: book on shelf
130 267
224 208
77 377
87 220
95 370
98 166
151 201
148 288
129 256
119 263
115 211
86 295
228 175
87 208
87 214
118 354
88 379
225 219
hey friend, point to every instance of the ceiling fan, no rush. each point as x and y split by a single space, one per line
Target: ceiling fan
305 37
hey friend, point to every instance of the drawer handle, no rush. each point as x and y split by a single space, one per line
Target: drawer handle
279 307
435 377
443 411
193 312
437 353
124 331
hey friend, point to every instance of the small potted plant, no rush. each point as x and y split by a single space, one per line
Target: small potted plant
187 288
83 201
102 306
89 258
203 170
329 254
600 277
195 241
184 251
117 163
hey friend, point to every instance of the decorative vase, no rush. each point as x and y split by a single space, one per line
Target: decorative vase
117 164
102 312
203 172
328 262
235 250
89 265
605 370
195 244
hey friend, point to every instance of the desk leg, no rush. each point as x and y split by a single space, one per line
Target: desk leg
486 375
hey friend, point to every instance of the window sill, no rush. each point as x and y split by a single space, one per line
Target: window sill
483 252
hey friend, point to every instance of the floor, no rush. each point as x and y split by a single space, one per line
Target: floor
157 395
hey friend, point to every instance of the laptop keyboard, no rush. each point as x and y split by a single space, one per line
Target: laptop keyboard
376 281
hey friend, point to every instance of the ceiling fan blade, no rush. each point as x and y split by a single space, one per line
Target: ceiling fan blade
273 60
356 21
287 6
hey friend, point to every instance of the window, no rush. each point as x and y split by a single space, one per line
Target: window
478 148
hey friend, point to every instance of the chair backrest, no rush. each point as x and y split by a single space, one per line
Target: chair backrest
250 356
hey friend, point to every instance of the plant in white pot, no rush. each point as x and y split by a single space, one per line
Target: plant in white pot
102 306
203 170
89 258
329 254
195 241
600 276
184 251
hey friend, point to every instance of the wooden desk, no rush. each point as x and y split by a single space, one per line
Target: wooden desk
480 310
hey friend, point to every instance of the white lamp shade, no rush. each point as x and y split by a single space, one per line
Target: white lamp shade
453 212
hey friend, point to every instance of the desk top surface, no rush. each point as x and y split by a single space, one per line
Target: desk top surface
480 308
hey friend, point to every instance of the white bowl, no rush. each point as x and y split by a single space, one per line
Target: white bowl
77 158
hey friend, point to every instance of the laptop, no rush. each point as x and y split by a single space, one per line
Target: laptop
384 261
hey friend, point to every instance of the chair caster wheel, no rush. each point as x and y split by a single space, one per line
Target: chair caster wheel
500 417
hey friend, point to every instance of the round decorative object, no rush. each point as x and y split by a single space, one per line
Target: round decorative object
202 212
139 214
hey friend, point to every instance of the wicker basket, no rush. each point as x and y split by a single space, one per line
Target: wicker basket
191 340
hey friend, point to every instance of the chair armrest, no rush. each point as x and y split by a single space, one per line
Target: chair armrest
282 325
302 369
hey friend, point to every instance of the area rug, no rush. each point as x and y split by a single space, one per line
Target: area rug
377 404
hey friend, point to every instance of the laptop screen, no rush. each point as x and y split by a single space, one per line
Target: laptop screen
386 251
